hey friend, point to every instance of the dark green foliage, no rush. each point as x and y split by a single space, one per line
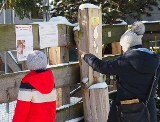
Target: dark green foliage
26 8
23 8
111 9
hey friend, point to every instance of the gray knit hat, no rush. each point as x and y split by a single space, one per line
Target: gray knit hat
36 60
133 36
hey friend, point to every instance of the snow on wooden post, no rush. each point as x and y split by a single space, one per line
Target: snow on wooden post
89 39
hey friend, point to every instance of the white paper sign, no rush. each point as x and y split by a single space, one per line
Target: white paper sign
109 34
24 41
48 35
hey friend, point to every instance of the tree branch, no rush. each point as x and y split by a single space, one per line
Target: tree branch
3 6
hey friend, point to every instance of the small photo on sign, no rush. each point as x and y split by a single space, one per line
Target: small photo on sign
20 49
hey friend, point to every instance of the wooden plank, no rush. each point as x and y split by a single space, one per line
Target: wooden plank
152 26
71 112
116 48
8 36
59 97
89 39
10 62
63 96
64 76
58 55
93 110
66 95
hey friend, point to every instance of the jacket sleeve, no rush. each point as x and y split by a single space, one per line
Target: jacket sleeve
111 67
22 106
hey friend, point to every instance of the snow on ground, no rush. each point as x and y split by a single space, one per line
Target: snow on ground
75 120
5 115
98 85
88 5
73 101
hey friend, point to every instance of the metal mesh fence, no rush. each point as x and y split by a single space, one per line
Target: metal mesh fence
7 111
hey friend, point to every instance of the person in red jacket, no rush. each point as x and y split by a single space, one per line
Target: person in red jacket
37 95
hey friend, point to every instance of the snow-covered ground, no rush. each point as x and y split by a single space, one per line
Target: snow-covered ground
6 113
75 120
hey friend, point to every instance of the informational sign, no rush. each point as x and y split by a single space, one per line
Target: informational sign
48 35
95 20
24 41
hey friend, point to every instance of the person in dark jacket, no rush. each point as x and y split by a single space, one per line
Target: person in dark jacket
37 95
135 70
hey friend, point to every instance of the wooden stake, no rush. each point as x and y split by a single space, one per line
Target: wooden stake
89 39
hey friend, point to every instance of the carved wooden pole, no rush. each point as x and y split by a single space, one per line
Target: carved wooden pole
89 39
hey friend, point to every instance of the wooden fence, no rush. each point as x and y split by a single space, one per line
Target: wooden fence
66 75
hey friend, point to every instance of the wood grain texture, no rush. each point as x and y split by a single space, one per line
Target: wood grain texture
89 40
64 76
58 55
8 36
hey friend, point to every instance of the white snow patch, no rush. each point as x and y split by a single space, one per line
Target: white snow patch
74 100
57 20
12 56
75 120
112 92
75 89
61 20
88 5
71 104
48 66
76 28
50 1
121 22
151 21
59 2
85 80
64 64
98 85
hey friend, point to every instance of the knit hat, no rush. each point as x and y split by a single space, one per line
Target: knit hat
133 36
36 60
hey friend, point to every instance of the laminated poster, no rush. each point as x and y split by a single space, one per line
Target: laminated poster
48 35
24 41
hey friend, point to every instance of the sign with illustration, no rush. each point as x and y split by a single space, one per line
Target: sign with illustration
48 35
24 41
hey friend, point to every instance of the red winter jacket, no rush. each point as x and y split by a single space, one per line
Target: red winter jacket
36 98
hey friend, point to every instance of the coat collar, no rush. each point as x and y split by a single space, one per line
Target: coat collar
135 47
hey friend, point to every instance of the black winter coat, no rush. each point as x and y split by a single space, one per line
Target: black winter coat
135 70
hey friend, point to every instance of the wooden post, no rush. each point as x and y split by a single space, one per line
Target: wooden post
89 39
58 55
116 48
